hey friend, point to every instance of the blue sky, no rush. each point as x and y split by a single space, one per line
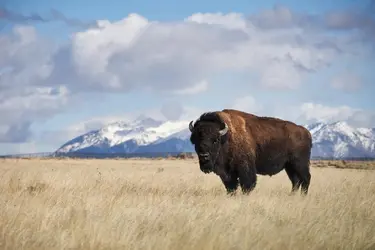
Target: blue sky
64 72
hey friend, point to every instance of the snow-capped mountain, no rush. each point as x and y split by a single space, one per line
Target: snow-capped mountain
146 135
140 136
339 140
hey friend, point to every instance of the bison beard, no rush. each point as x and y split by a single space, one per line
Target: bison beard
237 146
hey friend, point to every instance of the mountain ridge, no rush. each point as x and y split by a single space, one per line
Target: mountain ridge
147 136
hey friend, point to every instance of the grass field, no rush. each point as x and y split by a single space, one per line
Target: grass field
170 204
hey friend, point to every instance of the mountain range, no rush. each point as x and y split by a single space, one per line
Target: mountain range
148 136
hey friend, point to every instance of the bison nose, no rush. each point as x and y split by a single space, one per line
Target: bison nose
205 156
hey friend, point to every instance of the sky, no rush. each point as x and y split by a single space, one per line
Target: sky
68 67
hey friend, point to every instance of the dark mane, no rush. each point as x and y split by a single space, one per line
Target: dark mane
210 117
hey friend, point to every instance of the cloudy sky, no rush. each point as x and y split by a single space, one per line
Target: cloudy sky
67 67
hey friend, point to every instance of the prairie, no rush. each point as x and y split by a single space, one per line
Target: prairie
170 204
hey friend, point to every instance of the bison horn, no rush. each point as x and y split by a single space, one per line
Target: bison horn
224 130
191 127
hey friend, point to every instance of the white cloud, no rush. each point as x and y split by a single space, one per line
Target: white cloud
280 76
247 104
172 110
277 17
18 108
25 63
346 82
15 133
134 53
313 112
195 89
92 49
322 113
229 21
281 17
24 58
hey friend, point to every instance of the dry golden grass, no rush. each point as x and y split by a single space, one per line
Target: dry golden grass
170 204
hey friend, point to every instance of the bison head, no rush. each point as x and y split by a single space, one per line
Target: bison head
208 135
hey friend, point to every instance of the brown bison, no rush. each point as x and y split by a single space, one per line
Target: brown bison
237 146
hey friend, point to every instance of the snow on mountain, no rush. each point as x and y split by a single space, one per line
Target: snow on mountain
124 137
340 140
145 135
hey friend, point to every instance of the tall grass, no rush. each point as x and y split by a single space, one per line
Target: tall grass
170 204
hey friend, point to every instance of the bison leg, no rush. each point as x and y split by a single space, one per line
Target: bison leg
303 172
248 178
293 176
306 177
230 182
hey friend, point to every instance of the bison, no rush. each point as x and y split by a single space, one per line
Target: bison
237 146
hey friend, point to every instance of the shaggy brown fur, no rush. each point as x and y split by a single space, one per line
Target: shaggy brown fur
252 145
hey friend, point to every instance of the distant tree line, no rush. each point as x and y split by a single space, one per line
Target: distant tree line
102 155
183 155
